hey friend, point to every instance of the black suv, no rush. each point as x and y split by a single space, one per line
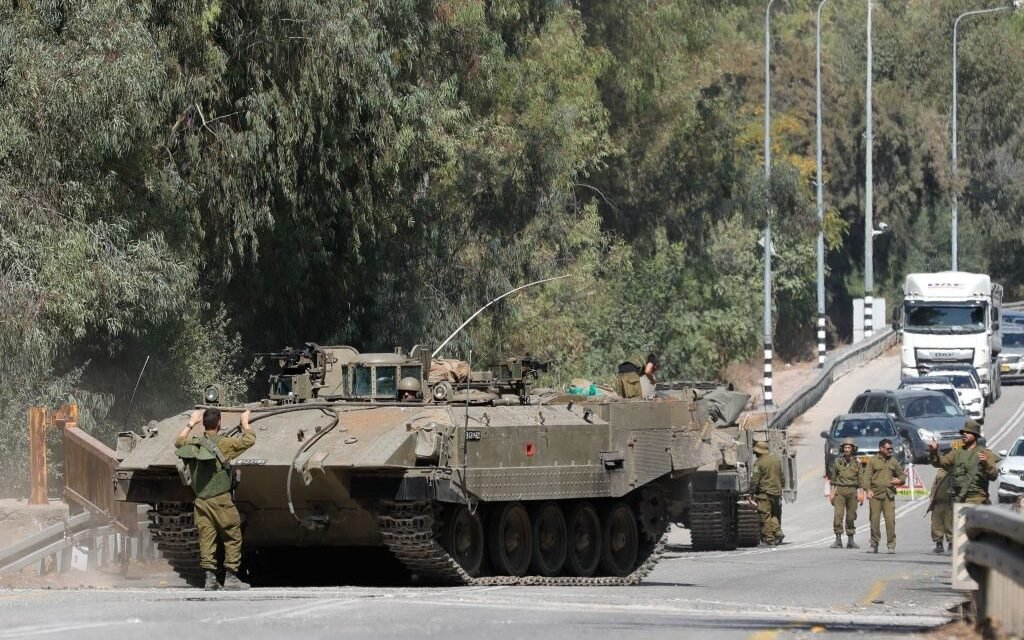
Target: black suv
920 416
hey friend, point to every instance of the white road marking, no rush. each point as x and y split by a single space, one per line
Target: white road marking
61 627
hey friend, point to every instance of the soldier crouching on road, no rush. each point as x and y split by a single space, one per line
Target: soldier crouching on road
880 478
845 494
216 517
766 485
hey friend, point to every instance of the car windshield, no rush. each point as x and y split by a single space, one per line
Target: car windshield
863 427
1018 449
1013 339
932 318
964 382
929 406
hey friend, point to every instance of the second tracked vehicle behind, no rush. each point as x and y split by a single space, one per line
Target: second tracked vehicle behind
477 478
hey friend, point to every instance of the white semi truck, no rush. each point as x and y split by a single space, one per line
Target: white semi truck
951 318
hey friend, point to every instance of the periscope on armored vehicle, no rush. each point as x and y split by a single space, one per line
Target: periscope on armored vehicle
464 477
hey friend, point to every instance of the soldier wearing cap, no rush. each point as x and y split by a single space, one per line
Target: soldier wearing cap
766 485
216 517
845 494
881 476
970 468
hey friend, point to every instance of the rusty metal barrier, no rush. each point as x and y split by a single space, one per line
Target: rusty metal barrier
89 480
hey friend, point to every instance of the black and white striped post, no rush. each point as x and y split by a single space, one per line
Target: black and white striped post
869 311
821 340
767 381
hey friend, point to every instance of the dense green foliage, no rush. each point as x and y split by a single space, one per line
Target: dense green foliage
198 180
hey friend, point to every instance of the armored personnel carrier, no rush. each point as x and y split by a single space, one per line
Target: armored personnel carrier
462 477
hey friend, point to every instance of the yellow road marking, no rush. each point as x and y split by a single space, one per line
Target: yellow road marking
767 634
875 592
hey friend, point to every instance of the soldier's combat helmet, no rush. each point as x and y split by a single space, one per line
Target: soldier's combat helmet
848 441
972 427
409 383
761 447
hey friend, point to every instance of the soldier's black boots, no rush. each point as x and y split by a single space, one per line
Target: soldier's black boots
851 544
211 583
938 547
874 548
232 583
838 544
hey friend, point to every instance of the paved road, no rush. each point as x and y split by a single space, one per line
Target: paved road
794 590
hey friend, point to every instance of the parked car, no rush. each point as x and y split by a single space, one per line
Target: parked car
972 400
866 430
1011 359
920 416
1011 472
933 383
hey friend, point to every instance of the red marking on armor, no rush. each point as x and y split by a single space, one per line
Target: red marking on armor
530 449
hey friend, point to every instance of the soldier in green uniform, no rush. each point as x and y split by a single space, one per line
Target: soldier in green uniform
941 508
216 517
845 494
971 467
766 485
880 477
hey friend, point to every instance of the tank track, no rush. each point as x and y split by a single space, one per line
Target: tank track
710 528
174 531
748 524
407 529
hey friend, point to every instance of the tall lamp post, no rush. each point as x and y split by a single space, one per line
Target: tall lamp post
821 196
767 382
956 184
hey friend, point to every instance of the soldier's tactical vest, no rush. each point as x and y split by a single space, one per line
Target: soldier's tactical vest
966 474
205 473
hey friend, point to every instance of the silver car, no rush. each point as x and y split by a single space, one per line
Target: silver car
1011 359
1011 472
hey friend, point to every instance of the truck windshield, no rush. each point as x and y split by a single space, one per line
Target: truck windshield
932 318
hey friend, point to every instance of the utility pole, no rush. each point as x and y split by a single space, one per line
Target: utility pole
869 236
767 382
821 198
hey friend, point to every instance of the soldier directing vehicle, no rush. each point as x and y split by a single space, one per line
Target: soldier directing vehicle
207 456
971 467
880 478
846 494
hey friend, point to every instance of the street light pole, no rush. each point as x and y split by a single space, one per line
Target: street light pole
767 382
869 272
821 197
954 222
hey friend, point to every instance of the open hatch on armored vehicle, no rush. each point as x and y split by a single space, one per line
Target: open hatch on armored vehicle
475 479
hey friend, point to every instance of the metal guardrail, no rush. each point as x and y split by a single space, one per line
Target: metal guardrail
835 367
994 554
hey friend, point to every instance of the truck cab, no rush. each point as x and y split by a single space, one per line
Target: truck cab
951 318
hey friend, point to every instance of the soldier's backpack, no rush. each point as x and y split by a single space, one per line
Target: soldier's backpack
204 467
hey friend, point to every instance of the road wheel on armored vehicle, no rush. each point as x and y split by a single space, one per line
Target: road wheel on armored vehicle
584 539
462 536
510 539
620 540
550 535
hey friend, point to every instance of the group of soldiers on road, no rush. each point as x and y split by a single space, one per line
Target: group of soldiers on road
963 476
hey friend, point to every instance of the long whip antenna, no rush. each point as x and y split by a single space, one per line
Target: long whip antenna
481 309
137 381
